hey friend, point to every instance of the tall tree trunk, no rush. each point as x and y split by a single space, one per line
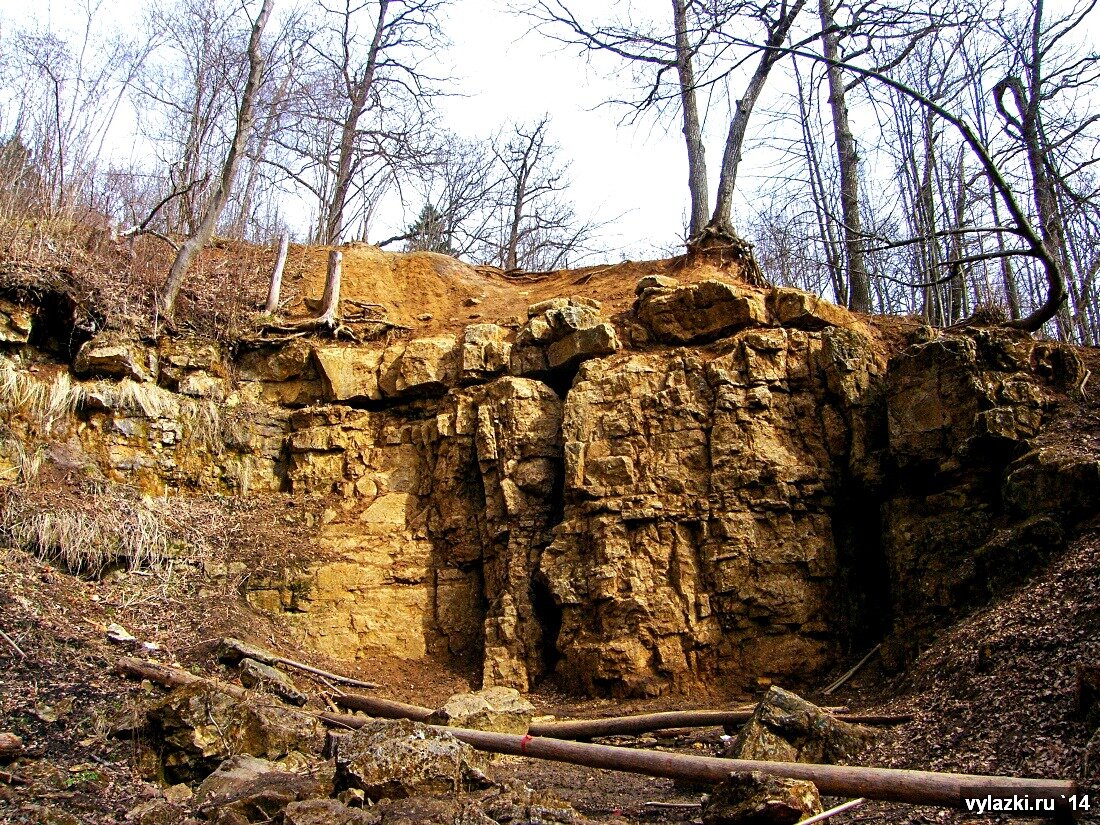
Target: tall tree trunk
276 285
693 132
511 250
268 129
731 159
859 291
345 164
829 244
246 118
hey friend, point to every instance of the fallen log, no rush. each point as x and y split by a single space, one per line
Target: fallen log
233 650
645 723
884 784
383 708
610 726
10 746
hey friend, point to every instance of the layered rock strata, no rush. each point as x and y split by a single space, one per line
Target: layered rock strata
725 484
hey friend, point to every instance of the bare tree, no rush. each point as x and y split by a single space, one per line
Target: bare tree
699 51
535 228
61 92
859 288
361 104
245 122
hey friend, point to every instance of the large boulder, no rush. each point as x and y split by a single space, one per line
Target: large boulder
499 709
397 759
423 366
198 726
699 312
786 728
804 310
760 799
248 789
349 373
114 355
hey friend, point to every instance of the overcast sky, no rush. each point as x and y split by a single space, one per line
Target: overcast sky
637 174
634 174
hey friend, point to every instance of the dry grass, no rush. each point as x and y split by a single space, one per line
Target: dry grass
115 285
94 528
42 404
200 419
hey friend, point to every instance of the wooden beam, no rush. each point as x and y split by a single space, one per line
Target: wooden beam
644 723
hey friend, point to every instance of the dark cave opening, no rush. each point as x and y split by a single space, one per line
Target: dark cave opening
864 603
548 613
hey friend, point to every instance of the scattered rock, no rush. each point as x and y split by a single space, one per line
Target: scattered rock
655 282
119 635
157 812
786 728
562 303
499 709
258 675
198 726
516 803
48 815
760 799
400 758
427 810
327 812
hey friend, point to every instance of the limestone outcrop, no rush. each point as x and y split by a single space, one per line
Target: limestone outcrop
697 541
719 484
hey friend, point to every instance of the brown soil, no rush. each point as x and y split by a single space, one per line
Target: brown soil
435 294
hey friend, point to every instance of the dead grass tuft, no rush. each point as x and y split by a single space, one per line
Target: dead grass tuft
92 529
42 404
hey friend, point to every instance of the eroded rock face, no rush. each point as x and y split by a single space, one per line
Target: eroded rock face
731 497
980 498
15 323
561 333
398 759
116 355
697 540
442 515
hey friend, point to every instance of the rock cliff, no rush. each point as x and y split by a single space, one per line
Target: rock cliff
717 485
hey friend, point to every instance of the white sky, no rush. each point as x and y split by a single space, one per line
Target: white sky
637 174
634 174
